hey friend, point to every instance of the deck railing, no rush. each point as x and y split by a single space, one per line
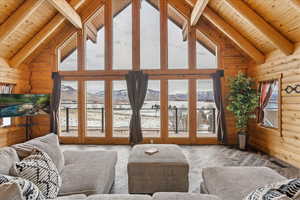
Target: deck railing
178 117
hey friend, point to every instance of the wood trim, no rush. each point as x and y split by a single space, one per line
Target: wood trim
275 37
192 110
235 36
108 18
136 57
163 6
164 112
198 10
67 11
18 18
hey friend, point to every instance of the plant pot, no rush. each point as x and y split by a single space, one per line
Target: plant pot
242 140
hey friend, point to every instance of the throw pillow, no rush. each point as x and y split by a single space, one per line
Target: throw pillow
39 169
48 143
285 190
16 188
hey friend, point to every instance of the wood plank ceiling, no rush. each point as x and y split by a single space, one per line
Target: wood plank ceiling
257 27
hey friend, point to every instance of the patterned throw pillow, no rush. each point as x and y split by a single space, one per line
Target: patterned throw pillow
25 189
39 169
286 190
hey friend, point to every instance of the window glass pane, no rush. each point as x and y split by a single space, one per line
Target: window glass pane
68 55
121 109
122 34
206 109
69 109
271 109
6 121
150 35
95 113
178 108
177 48
206 52
150 113
95 42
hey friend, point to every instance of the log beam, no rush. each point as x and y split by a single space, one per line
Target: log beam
198 10
276 38
91 32
18 18
67 11
235 36
185 30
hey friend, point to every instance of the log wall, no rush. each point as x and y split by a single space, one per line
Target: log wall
284 145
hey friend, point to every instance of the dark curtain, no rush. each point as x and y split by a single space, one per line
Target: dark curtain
137 84
266 89
221 124
55 101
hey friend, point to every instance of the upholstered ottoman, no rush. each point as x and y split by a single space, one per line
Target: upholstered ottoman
164 171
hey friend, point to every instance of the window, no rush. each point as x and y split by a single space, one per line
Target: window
95 112
206 108
95 44
177 48
269 104
178 105
206 52
68 55
69 109
121 109
122 34
150 113
150 35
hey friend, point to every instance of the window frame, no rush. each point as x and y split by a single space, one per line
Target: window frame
277 78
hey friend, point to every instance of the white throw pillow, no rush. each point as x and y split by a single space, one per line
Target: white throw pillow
15 188
40 169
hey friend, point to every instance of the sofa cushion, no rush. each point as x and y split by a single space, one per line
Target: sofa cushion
234 183
39 169
181 196
15 188
8 157
48 143
119 197
263 193
88 172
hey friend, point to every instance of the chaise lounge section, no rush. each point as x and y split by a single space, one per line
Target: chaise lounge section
235 183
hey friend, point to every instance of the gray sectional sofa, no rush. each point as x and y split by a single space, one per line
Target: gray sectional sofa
89 175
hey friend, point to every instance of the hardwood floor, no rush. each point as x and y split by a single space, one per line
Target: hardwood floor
200 156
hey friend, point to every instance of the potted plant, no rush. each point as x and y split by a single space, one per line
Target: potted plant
243 100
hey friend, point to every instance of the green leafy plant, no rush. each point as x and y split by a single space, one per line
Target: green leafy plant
243 100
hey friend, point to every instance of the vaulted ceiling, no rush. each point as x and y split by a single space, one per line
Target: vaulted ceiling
258 28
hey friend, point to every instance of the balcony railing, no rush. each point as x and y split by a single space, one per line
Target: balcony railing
178 118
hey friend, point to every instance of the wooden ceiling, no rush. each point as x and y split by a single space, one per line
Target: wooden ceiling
257 27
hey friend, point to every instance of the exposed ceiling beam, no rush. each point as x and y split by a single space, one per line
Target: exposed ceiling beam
234 35
42 36
67 11
185 29
197 11
295 3
3 62
18 18
191 2
91 32
276 38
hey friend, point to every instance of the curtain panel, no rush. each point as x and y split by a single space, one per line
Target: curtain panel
221 123
137 84
265 90
55 102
